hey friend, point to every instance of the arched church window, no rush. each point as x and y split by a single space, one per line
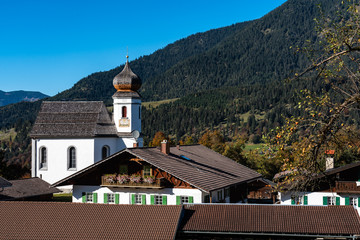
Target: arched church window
105 151
123 112
43 158
72 158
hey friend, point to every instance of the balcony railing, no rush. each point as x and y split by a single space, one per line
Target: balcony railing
158 183
347 187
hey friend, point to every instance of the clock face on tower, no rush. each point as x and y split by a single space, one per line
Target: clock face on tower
124 122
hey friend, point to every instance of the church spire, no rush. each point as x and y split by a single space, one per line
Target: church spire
126 80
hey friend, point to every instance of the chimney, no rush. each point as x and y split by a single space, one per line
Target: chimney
165 147
329 160
135 145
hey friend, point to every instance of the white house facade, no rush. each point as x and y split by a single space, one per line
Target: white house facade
338 186
166 176
71 135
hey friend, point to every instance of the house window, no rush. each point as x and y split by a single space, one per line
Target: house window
138 199
158 200
227 192
353 201
43 158
146 170
184 199
105 151
220 195
111 198
124 112
72 158
89 197
297 200
331 200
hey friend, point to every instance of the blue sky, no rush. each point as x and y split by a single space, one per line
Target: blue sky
49 45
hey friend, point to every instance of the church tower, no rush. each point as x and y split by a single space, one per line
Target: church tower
127 105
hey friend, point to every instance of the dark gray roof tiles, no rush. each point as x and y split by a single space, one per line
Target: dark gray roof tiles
120 94
4 183
29 187
73 119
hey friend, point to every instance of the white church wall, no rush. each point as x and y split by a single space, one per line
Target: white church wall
129 142
132 121
113 144
126 193
57 157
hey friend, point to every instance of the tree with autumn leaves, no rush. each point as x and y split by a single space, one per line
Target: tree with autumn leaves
327 119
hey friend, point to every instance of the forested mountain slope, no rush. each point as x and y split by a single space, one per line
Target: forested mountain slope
219 75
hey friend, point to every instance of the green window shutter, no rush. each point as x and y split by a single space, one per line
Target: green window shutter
143 199
191 199
347 201
105 198
305 200
133 199
152 199
325 202
337 200
358 201
178 200
95 197
292 200
164 198
84 197
117 198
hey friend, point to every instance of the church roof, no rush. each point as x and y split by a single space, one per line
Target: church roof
197 165
73 119
126 80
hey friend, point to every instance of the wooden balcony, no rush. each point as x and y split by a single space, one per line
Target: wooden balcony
159 183
347 187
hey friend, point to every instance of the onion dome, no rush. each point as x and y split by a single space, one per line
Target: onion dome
127 81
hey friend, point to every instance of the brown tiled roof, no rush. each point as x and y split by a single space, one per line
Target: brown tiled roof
205 169
4 183
73 119
29 187
277 219
50 220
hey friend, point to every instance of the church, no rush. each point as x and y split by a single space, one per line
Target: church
79 144
71 135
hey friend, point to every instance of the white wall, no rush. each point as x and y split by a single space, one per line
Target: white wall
132 105
125 193
316 198
113 143
57 157
129 142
